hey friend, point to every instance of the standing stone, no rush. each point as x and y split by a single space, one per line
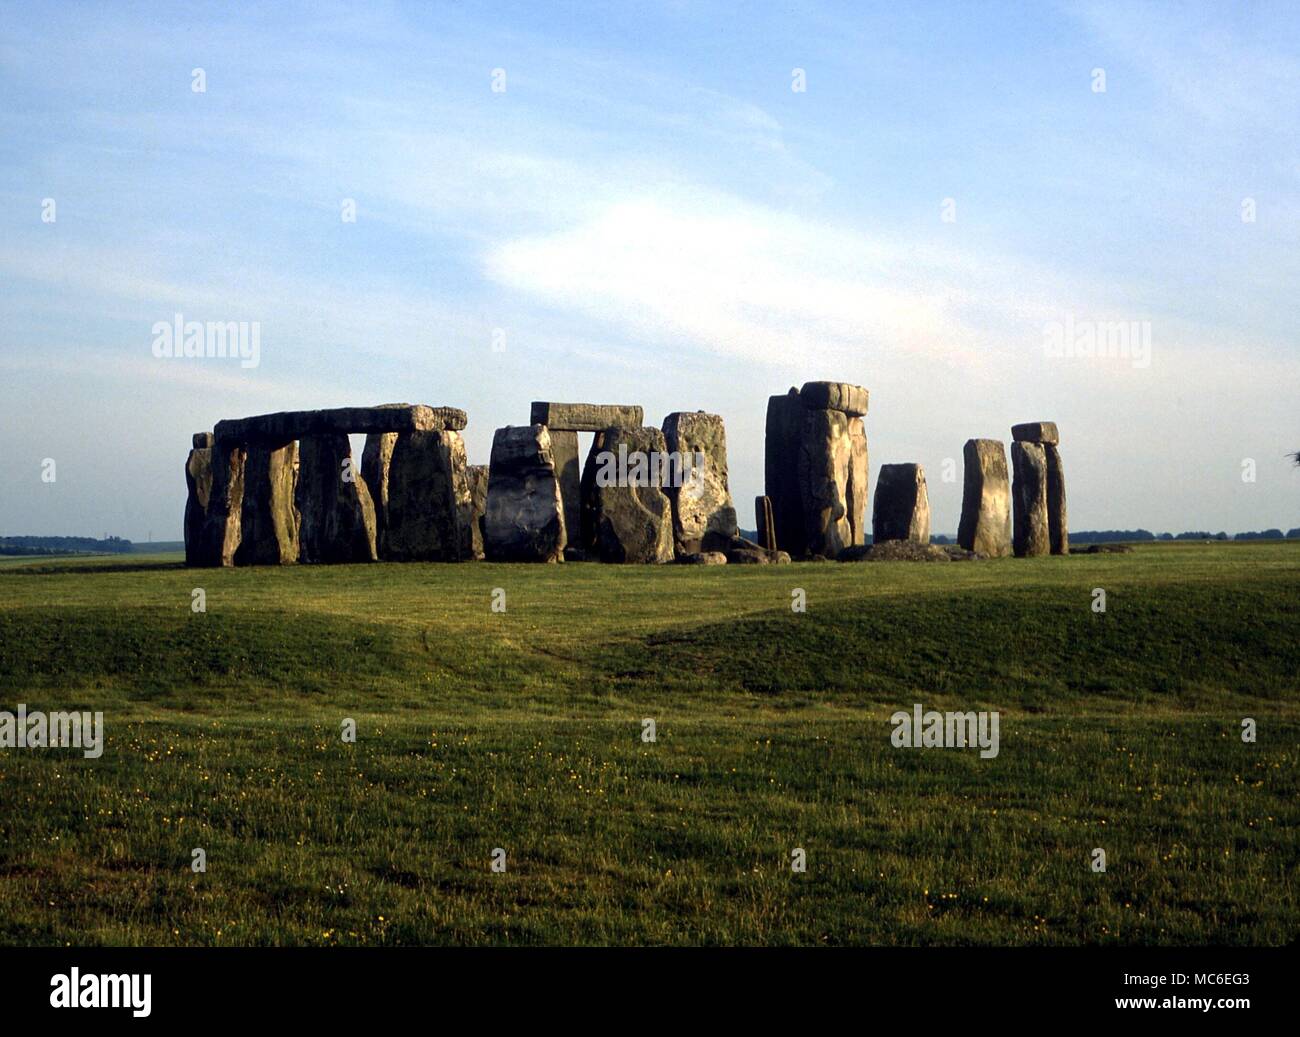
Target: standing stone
766 524
704 517
856 490
270 520
338 516
198 483
902 510
824 460
477 476
376 458
633 515
428 499
587 521
1029 499
986 499
222 523
564 452
785 415
1058 523
524 517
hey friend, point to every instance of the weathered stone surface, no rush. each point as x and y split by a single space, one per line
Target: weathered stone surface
1036 432
564 452
198 483
785 417
633 517
286 426
1058 520
856 489
1029 499
704 517
586 538
223 519
524 517
338 516
985 525
824 459
766 524
270 520
202 440
841 396
703 558
429 501
902 510
376 459
586 417
477 476
908 551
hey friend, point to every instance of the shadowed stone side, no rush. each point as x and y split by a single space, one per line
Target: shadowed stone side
634 523
428 499
270 520
564 452
586 538
1029 499
477 477
198 483
524 518
986 499
221 524
338 516
766 524
785 415
376 458
704 517
1058 521
902 510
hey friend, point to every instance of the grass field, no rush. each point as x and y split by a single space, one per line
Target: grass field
522 730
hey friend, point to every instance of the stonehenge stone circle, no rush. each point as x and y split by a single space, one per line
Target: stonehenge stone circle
902 510
986 499
704 517
1029 499
633 517
269 524
338 516
524 516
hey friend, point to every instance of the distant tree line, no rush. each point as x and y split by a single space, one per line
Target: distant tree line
63 545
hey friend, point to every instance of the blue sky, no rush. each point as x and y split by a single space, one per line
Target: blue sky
650 214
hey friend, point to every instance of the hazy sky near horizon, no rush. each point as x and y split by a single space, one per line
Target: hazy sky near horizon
649 213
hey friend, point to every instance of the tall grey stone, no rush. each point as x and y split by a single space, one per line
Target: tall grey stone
222 521
704 517
633 516
428 499
856 490
785 417
1058 521
902 509
198 485
524 518
376 459
766 524
338 516
1029 499
985 525
564 452
270 520
477 475
824 461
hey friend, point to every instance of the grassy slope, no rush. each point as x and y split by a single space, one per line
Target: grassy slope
521 730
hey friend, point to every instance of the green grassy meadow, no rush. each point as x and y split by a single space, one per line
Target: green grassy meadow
522 730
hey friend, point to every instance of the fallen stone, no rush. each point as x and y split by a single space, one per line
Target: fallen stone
338 516
270 521
1036 432
985 524
286 426
198 485
524 515
703 558
704 517
429 501
908 551
1058 520
1102 549
902 510
586 417
633 523
841 396
1030 536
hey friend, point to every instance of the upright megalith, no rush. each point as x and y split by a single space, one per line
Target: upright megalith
270 521
633 517
1046 435
376 459
198 486
1029 499
902 510
477 476
986 499
564 452
428 514
223 517
704 517
766 523
816 467
338 516
524 517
